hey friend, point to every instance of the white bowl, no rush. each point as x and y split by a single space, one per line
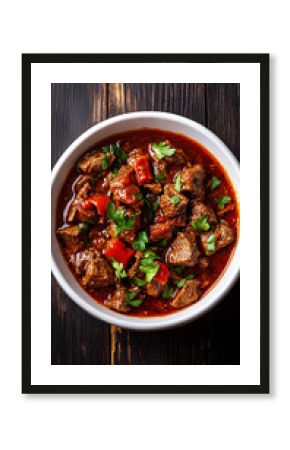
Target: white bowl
118 124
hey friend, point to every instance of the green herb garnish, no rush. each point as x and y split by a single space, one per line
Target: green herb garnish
120 219
210 243
119 269
141 241
181 283
151 254
84 227
215 182
201 224
155 204
139 196
175 199
115 172
160 177
177 183
119 152
168 292
105 163
177 269
131 300
148 265
139 282
223 201
162 149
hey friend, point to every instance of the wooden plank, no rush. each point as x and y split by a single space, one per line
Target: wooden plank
77 338
223 118
223 113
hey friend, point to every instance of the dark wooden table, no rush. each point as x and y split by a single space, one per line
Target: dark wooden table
78 338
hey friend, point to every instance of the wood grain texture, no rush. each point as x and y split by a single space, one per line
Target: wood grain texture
78 338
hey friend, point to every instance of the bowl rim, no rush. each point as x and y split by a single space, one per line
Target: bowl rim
187 314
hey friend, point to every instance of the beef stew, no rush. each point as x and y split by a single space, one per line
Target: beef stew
147 221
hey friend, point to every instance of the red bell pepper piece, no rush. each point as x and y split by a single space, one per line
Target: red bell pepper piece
162 274
98 201
117 250
143 171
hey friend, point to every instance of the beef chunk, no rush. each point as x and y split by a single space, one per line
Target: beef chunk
160 169
228 208
134 155
192 180
203 262
220 237
154 288
99 238
184 251
83 180
129 195
118 301
201 210
160 231
76 211
79 260
179 157
98 272
123 178
168 204
126 235
187 295
134 269
91 164
72 238
155 188
178 221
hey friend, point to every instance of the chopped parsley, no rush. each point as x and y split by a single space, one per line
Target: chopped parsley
139 196
215 182
177 183
201 224
148 265
84 227
177 269
181 283
119 152
139 282
151 254
105 163
119 217
141 242
223 201
155 205
162 149
131 300
210 243
175 199
160 177
119 269
115 172
168 292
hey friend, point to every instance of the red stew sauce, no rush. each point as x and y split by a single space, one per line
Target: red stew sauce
147 221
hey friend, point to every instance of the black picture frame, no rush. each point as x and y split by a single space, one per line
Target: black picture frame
27 60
